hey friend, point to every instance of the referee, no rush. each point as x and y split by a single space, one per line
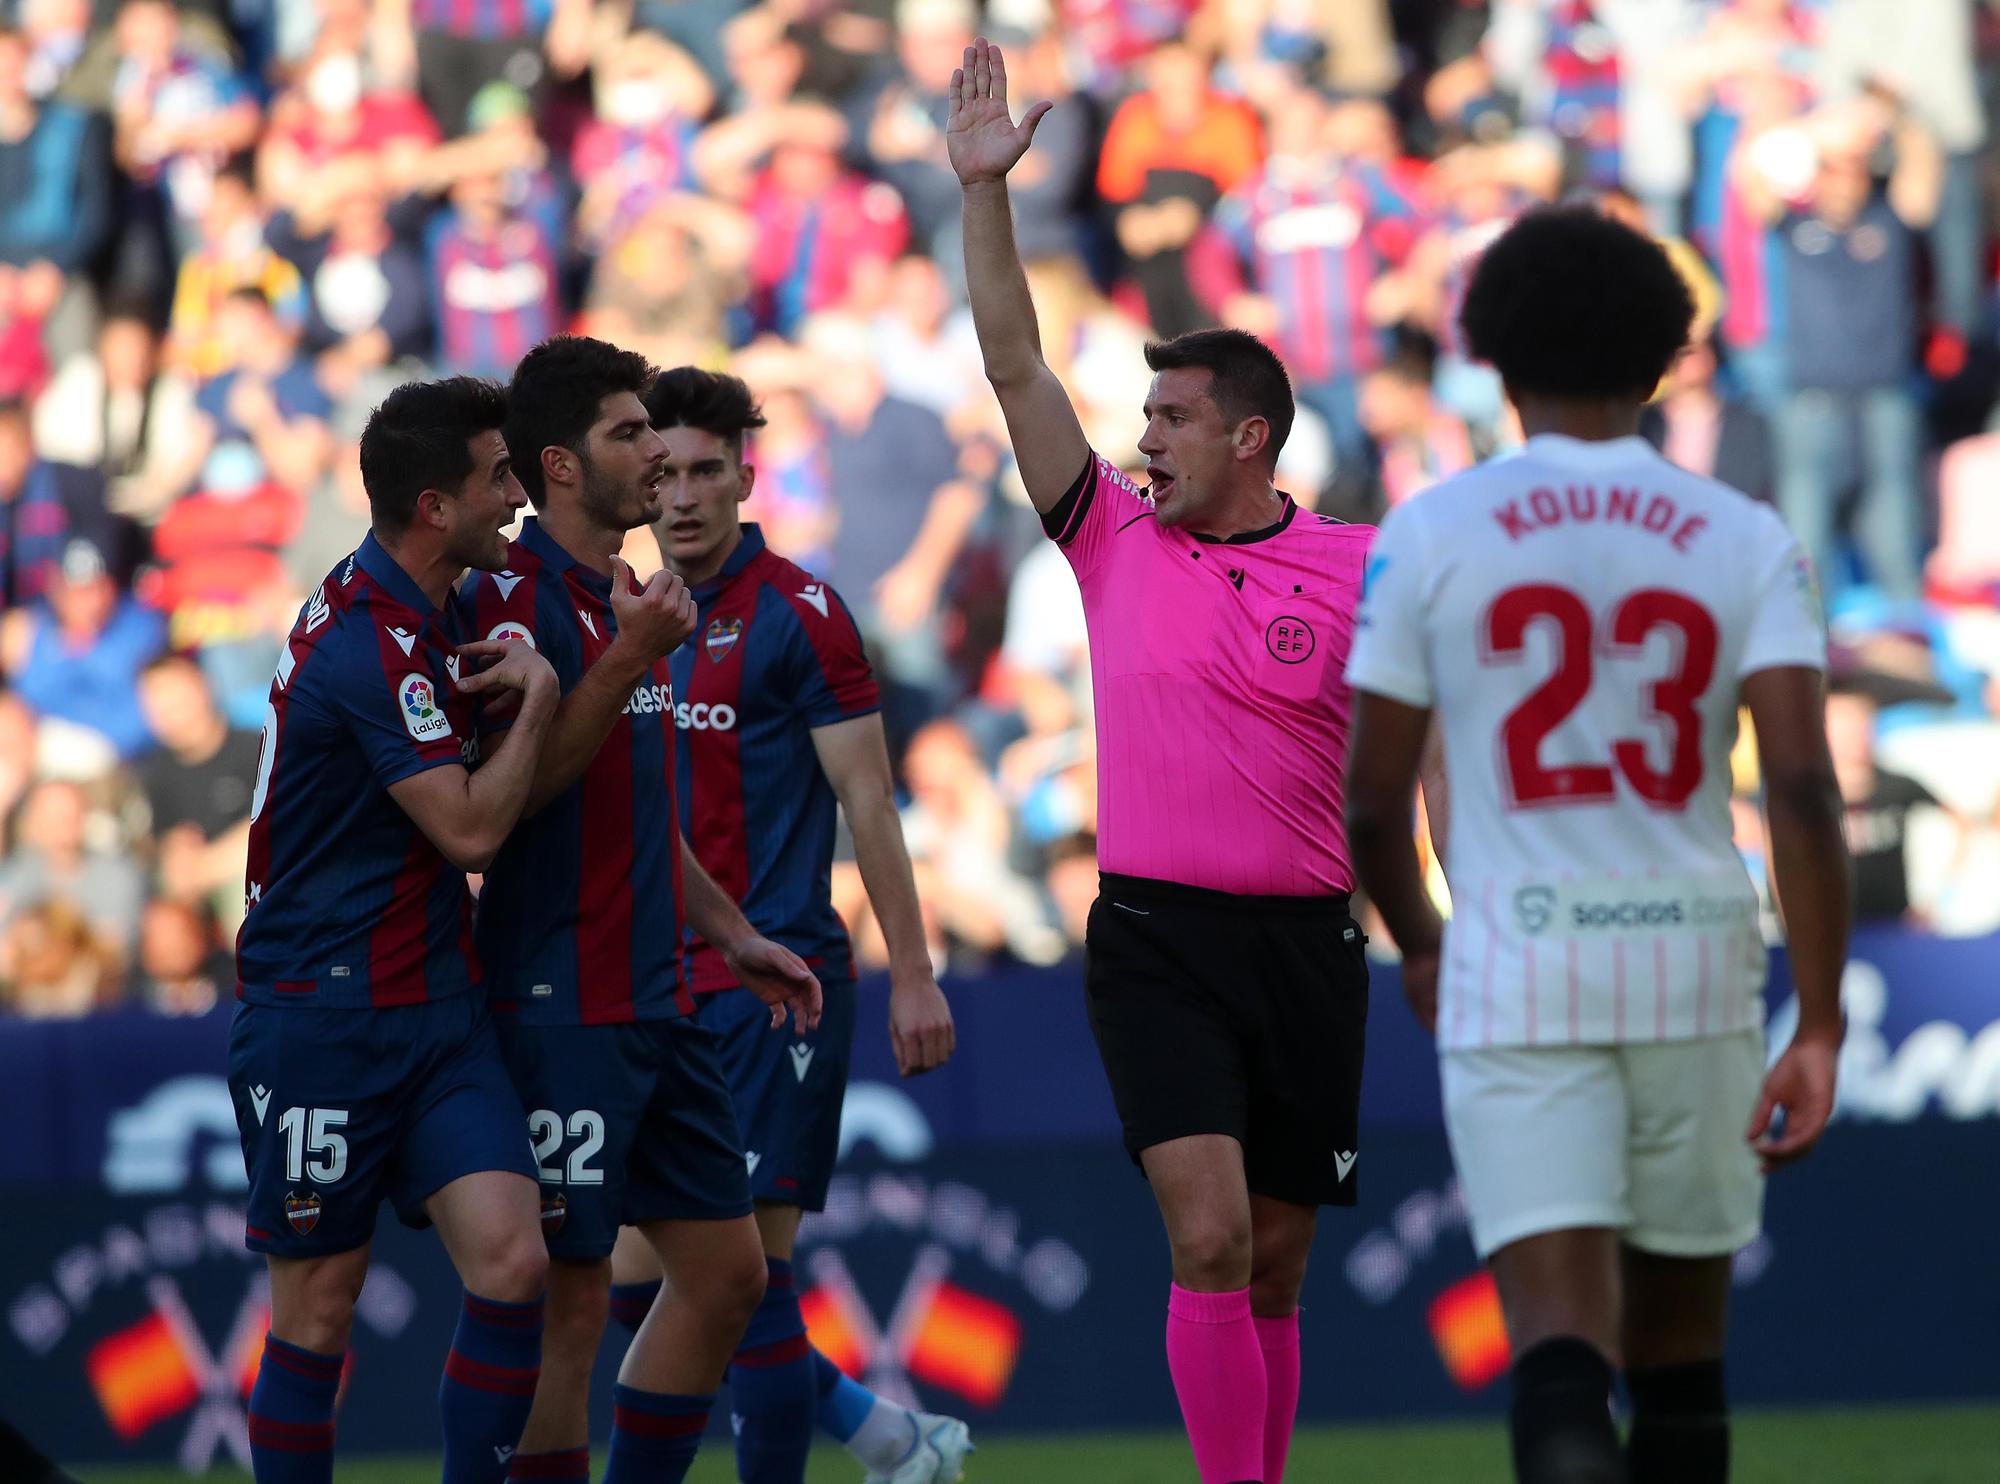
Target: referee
1226 981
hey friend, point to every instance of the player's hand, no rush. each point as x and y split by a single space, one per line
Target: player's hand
652 620
979 134
1802 1083
920 1024
778 977
516 666
1420 985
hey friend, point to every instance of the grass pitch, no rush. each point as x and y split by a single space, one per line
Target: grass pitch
1885 1445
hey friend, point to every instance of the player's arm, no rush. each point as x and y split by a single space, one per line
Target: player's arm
984 144
1386 745
1437 792
1809 875
469 814
772 972
652 622
855 758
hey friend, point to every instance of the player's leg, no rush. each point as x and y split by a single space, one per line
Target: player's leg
555 1442
1697 1196
1538 1135
317 1109
688 1192
1213 1353
1172 1053
635 1278
464 1164
1304 1005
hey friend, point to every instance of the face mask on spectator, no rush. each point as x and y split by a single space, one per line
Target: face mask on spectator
334 84
232 470
635 102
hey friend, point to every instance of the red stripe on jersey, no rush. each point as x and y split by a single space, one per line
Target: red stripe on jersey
721 834
670 734
836 644
400 941
604 885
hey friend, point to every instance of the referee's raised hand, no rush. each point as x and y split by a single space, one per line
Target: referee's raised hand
653 619
980 135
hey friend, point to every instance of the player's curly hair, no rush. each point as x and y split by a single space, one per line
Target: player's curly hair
420 439
1569 303
555 396
1246 378
714 401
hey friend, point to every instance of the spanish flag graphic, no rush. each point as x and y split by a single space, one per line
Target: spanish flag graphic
1470 1332
966 1344
142 1376
833 1331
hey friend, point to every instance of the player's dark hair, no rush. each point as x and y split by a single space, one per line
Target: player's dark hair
1569 303
714 401
555 396
1246 378
420 439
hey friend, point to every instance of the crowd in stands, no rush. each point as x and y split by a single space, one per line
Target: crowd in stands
228 227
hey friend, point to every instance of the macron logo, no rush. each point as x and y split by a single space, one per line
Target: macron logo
588 622
802 1058
816 595
754 1159
405 640
506 582
1342 1163
260 1099
502 1453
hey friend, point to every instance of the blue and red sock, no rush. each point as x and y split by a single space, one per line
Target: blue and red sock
291 1414
654 1435
772 1389
630 1302
564 1466
488 1387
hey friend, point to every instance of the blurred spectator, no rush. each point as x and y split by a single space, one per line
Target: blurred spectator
181 112
1965 567
77 654
232 254
55 965
1310 234
111 407
221 577
332 134
904 512
461 45
265 393
55 861
1879 805
928 353
672 286
1420 441
1709 433
825 235
1171 152
55 173
1851 318
793 496
638 151
18 744
56 34
368 296
183 967
901 119
197 787
43 504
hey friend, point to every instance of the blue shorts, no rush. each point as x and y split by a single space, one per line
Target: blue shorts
340 1110
788 1090
629 1123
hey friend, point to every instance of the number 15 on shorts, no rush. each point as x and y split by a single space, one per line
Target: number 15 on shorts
585 1131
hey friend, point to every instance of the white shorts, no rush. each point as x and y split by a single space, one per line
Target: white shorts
1644 1138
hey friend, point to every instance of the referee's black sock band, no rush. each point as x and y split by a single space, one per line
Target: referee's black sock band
1561 1420
1680 1424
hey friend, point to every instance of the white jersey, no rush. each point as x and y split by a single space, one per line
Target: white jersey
1580 615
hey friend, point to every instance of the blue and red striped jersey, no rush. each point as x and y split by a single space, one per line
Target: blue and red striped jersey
580 915
348 903
774 654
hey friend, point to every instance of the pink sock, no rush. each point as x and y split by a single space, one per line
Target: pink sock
1280 1341
1218 1373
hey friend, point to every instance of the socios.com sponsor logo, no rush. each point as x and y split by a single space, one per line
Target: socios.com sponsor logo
702 717
650 700
1541 909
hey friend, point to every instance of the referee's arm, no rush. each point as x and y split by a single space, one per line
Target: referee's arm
1385 746
985 143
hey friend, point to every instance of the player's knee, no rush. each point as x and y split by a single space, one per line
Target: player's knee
513 1269
740 1286
316 1312
1212 1256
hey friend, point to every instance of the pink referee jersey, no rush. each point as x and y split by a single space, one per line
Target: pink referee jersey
1222 711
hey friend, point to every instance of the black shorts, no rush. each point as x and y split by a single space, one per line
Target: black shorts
1237 1015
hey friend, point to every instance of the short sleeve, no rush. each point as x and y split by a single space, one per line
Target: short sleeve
1785 626
1100 504
392 704
832 681
1391 656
